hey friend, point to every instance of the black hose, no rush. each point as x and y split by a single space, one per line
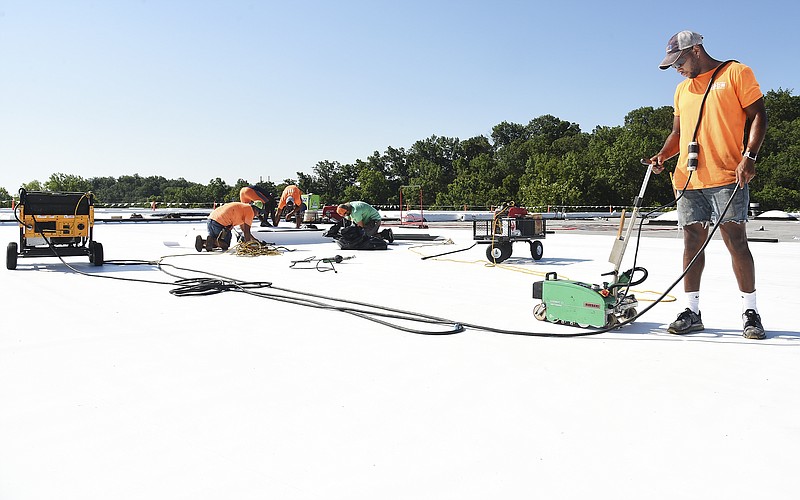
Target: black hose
448 253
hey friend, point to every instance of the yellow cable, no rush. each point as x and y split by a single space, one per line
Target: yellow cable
254 249
509 267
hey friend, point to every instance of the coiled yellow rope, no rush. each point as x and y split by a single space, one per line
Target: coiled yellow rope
255 249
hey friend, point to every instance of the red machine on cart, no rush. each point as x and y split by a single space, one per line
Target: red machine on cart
502 231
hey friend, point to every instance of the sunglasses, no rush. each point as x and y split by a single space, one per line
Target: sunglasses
681 59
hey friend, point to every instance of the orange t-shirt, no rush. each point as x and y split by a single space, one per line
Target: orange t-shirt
292 192
233 214
721 133
248 194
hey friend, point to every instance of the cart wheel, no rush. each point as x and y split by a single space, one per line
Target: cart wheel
499 252
96 253
540 311
537 249
611 320
630 313
11 256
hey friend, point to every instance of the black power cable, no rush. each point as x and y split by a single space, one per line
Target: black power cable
193 287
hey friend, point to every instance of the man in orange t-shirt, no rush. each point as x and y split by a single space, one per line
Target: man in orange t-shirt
257 193
222 220
292 198
722 151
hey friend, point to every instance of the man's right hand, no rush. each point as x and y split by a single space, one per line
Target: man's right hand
657 162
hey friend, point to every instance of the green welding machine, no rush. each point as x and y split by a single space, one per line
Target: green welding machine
576 303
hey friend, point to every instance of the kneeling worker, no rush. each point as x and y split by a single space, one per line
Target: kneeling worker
291 198
223 219
366 217
256 193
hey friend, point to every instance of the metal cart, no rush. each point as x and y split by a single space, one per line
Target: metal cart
499 233
54 224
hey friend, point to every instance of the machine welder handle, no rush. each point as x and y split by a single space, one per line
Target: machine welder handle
621 224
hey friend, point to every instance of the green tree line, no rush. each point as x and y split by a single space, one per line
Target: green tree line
546 162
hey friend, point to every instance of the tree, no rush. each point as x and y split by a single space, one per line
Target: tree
32 186
474 184
547 161
551 128
306 183
546 182
506 133
373 187
781 105
197 193
431 164
67 183
219 191
330 180
778 198
393 165
396 162
233 193
777 179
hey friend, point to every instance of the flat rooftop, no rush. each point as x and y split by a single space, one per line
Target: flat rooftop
310 383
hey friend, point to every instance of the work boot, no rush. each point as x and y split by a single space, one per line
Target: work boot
264 222
687 322
387 234
209 243
199 243
752 325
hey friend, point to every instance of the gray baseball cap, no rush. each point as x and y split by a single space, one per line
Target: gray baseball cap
680 41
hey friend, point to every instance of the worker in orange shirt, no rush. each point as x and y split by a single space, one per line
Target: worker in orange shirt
256 193
290 198
222 220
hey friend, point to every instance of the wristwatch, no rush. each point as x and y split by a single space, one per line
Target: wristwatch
750 155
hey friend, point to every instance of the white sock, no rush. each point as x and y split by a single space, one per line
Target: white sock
693 301
749 301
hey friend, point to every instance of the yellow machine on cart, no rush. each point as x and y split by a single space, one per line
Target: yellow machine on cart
53 224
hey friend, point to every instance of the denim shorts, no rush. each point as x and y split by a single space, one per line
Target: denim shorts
218 231
706 205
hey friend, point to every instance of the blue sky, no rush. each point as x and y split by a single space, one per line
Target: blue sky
262 89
